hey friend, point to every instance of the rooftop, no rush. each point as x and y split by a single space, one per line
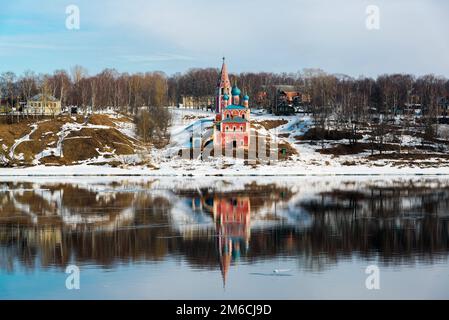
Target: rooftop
235 91
40 97
234 120
234 107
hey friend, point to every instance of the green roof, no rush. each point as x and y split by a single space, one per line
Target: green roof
235 91
233 107
233 120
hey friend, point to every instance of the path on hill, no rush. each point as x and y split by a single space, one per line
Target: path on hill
23 139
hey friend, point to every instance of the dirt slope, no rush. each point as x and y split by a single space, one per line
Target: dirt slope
66 140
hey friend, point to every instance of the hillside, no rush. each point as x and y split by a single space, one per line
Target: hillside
106 144
64 140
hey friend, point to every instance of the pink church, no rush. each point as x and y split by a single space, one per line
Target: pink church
232 126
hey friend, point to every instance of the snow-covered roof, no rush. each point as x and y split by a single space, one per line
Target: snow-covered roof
40 97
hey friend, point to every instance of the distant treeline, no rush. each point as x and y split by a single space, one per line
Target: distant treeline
346 101
110 88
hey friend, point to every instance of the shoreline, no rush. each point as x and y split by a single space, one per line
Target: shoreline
238 171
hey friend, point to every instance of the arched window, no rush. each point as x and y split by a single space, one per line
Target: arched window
234 128
227 128
243 116
227 115
241 128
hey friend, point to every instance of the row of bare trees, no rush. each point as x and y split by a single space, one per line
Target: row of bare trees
345 100
110 88
121 91
142 95
387 93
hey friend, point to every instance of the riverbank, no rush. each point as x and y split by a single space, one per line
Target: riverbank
198 168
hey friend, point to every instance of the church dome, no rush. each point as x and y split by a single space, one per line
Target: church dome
235 91
246 97
225 97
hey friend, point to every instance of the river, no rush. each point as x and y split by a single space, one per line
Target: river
224 237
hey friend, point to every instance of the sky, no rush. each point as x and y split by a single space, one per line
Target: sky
254 35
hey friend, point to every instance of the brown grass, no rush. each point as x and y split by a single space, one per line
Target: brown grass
193 117
344 149
11 132
80 149
78 146
123 119
54 161
101 120
44 136
348 149
284 135
319 134
82 145
271 124
290 151
407 156
29 149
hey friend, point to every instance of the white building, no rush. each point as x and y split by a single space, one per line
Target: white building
42 104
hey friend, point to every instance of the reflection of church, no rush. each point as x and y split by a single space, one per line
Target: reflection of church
232 217
232 220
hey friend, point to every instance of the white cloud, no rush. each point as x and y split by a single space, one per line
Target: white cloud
256 35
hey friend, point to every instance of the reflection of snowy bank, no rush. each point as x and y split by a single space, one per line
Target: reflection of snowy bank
190 219
108 203
99 221
185 220
271 216
70 205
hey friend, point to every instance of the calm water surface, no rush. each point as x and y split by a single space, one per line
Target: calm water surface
224 238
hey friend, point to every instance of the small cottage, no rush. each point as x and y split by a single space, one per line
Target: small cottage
43 104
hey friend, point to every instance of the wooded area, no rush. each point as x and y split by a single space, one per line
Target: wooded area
110 88
339 99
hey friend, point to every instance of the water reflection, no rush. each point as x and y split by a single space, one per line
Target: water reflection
216 224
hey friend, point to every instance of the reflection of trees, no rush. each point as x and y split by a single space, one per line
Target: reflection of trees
400 224
62 222
261 195
139 241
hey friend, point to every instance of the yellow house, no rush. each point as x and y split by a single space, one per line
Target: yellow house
43 104
192 102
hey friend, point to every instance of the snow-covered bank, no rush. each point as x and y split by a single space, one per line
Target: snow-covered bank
108 146
198 168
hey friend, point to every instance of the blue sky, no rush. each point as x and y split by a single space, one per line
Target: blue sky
254 35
